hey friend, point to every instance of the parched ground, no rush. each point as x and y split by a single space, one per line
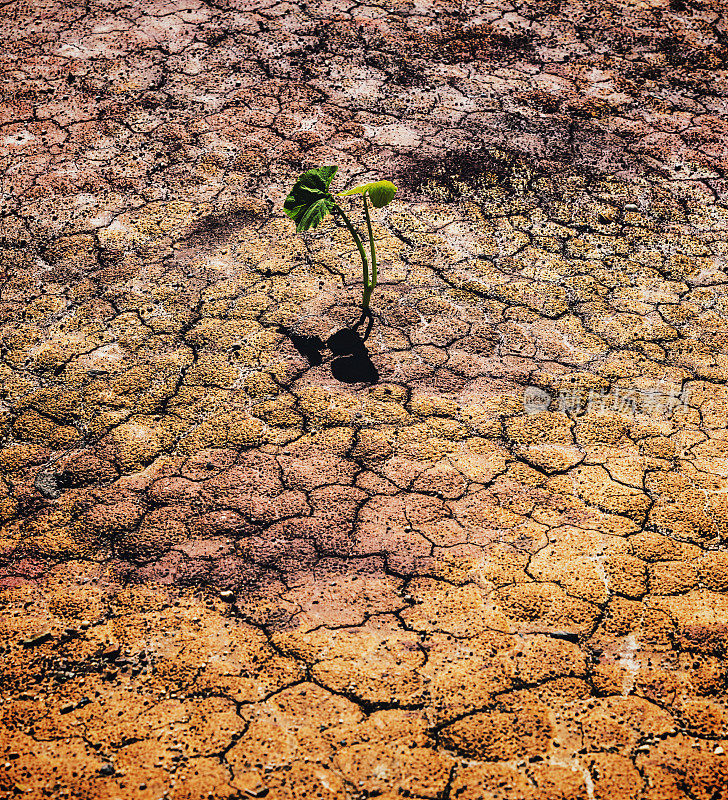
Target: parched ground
501 570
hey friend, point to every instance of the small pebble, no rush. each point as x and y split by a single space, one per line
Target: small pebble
35 640
719 751
227 596
631 207
256 791
111 652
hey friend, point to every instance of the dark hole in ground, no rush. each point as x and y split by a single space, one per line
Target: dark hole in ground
471 173
218 228
459 41
398 49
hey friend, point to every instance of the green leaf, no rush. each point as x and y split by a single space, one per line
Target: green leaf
309 201
326 174
313 215
381 193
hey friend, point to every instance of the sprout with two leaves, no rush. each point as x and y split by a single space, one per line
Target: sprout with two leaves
310 201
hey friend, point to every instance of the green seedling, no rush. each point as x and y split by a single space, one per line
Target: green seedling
310 201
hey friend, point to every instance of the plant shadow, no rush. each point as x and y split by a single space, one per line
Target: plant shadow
309 347
351 362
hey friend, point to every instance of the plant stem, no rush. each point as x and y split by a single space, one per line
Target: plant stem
365 266
371 242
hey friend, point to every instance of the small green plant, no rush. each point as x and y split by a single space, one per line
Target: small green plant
310 201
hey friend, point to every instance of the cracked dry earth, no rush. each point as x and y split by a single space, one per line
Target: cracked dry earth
501 571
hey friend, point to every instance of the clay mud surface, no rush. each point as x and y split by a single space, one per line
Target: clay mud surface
497 567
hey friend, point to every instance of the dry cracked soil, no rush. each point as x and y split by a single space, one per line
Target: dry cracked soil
495 568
